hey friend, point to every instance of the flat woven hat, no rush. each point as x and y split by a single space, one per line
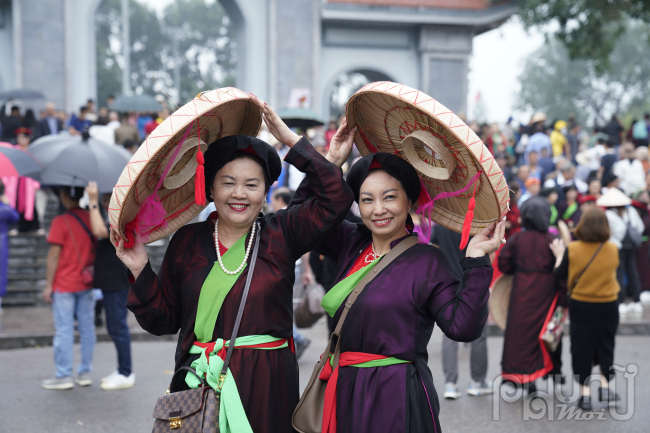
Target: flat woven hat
155 195
499 300
453 163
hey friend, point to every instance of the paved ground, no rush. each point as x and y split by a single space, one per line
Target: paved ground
25 407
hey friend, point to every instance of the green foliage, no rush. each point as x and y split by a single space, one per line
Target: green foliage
554 83
206 48
588 28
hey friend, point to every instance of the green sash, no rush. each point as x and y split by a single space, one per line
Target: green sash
553 215
337 294
215 288
391 360
568 213
232 417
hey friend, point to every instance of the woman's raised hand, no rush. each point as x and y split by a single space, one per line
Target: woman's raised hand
135 258
341 144
488 241
276 126
558 247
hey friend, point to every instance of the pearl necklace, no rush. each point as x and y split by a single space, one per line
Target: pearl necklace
371 257
216 246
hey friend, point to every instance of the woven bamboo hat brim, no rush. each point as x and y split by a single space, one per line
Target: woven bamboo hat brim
212 115
613 197
500 300
397 119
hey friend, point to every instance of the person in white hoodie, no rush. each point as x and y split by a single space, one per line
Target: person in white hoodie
630 171
626 229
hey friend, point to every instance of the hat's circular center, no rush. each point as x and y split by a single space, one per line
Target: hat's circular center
184 166
429 155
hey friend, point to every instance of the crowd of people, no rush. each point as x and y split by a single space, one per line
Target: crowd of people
595 184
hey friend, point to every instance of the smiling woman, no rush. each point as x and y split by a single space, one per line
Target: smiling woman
388 328
204 274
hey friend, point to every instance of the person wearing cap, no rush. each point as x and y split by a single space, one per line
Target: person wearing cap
589 265
533 187
204 272
534 296
626 229
69 290
383 383
586 202
23 138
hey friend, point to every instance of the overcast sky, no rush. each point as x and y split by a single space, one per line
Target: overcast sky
497 60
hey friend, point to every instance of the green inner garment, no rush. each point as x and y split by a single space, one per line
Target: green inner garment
215 288
337 294
568 213
553 215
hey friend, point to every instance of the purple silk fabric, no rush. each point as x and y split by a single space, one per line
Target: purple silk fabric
267 380
395 316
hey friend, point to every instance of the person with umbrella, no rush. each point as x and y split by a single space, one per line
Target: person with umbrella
8 216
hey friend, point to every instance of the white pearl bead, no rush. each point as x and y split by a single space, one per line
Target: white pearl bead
216 246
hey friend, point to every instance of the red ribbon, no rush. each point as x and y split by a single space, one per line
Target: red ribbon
209 347
346 359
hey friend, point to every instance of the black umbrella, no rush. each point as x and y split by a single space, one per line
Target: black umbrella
300 118
21 94
76 160
23 162
143 102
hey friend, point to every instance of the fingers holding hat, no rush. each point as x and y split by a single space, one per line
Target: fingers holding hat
487 241
276 125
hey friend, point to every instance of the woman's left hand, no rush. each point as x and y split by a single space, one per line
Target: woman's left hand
341 144
558 247
276 126
488 241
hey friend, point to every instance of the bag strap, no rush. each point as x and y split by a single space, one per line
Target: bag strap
74 243
242 304
86 229
591 260
383 263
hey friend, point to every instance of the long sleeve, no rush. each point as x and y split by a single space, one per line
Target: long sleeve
8 215
314 219
460 307
155 299
332 246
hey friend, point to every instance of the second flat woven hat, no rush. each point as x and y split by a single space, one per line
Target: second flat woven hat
448 156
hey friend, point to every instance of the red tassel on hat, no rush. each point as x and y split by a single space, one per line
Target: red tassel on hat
199 182
467 224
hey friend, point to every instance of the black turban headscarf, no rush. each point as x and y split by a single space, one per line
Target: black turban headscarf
391 164
536 214
224 150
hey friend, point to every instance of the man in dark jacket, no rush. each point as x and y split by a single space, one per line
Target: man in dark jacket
50 124
10 124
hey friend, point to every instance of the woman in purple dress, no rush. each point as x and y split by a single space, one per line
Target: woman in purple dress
187 294
395 314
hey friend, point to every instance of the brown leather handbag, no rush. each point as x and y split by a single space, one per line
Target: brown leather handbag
308 415
191 411
197 410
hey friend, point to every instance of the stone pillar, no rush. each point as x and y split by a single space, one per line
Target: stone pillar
41 53
444 55
297 37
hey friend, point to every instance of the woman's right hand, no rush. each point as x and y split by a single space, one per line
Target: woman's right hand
558 248
135 258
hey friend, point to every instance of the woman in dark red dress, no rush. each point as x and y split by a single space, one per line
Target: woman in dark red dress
534 295
239 171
